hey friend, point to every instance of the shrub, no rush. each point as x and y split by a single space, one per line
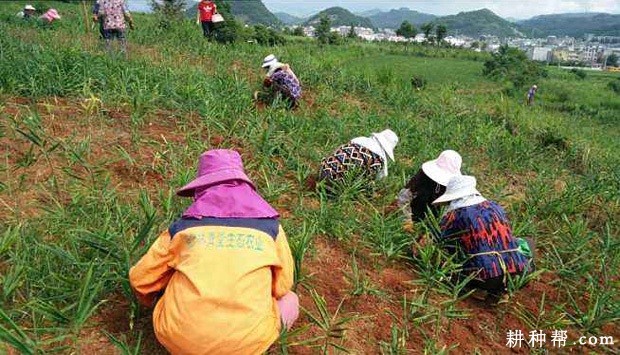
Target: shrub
550 138
267 36
299 31
580 73
615 86
512 65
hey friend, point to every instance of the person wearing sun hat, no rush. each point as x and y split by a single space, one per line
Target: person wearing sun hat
280 81
27 13
366 155
50 16
428 184
479 233
220 277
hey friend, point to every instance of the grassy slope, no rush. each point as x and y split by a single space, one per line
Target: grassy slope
94 147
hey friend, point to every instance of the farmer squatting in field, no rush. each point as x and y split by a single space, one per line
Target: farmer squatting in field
428 184
279 82
29 12
226 267
479 233
364 157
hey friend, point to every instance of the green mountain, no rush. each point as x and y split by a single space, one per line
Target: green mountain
288 19
368 13
476 23
249 11
394 18
340 17
574 25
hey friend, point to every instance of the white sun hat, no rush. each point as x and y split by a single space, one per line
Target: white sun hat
269 61
447 165
459 186
387 140
29 7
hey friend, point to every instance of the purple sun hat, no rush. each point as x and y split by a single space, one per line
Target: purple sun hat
215 166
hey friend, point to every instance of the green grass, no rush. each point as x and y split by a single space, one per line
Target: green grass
73 223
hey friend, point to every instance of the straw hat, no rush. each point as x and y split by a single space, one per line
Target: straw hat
447 165
29 7
459 186
215 166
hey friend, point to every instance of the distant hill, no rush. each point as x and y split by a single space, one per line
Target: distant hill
368 13
394 17
574 25
340 17
476 23
288 19
249 11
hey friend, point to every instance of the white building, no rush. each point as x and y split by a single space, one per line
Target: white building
589 54
454 41
540 54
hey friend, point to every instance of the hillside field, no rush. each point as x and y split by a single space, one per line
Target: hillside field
94 145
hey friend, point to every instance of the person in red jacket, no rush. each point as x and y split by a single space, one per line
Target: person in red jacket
206 10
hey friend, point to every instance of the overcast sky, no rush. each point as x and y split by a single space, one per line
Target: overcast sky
520 9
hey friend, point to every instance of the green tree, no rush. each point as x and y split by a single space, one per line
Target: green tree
298 31
352 33
440 33
171 9
406 30
322 30
512 65
267 36
612 60
427 28
168 11
230 30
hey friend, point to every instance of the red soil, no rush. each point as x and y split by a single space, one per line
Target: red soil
326 269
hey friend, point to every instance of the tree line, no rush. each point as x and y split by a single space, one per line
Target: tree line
408 30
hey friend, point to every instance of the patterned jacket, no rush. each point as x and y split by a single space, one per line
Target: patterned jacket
482 236
285 80
113 13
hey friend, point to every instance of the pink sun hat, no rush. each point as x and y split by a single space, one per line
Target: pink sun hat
215 166
447 165
50 15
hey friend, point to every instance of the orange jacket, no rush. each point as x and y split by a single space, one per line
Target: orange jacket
221 279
